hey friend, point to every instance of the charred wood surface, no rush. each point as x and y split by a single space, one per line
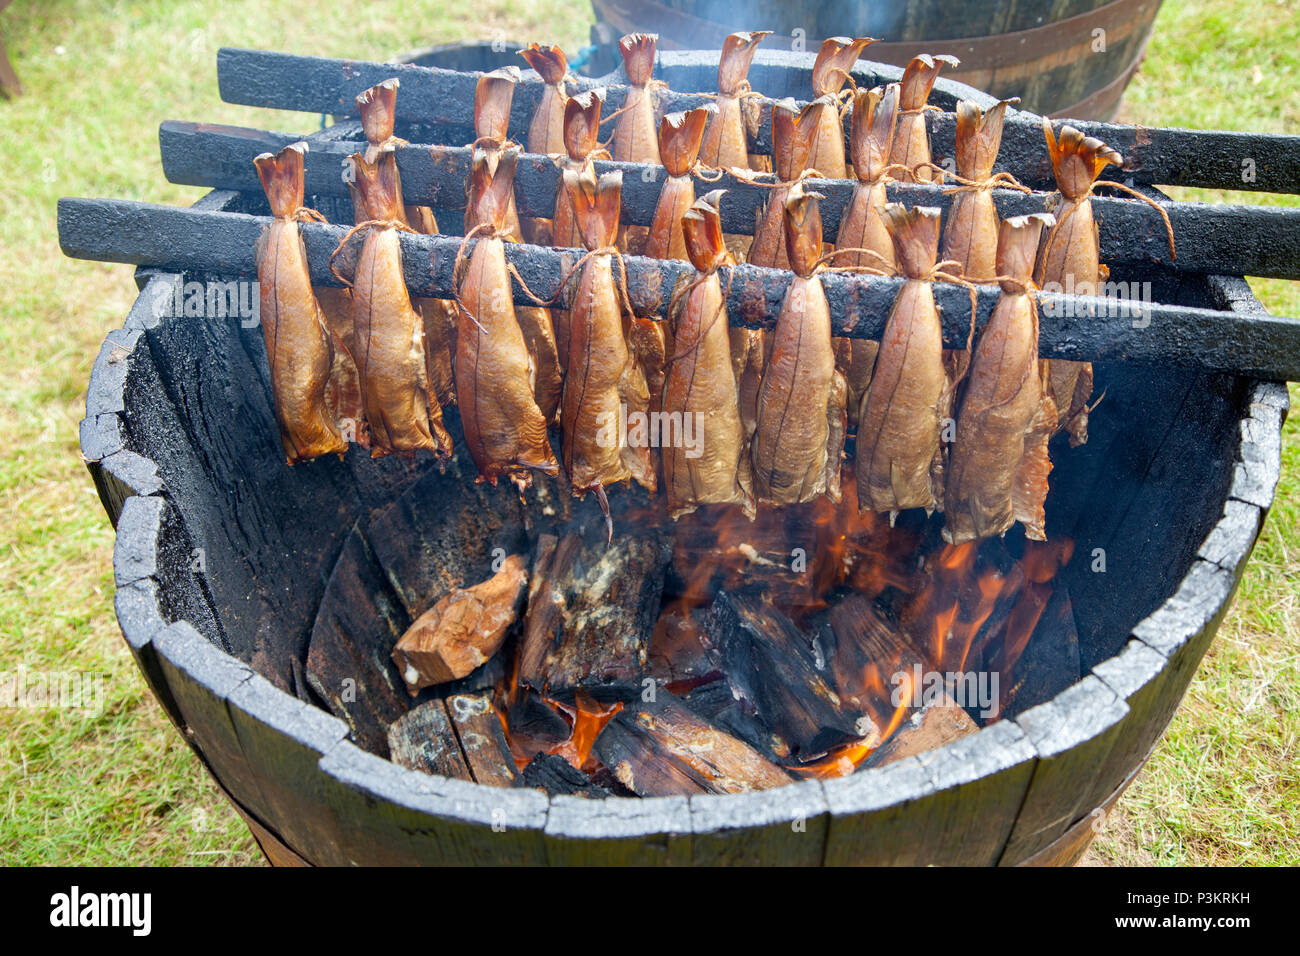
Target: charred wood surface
1079 328
660 748
770 663
592 611
1244 240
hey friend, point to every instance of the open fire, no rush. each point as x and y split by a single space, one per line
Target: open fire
720 654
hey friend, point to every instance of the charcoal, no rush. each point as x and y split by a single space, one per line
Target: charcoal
770 663
661 748
556 775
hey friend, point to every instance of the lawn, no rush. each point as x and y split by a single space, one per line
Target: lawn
118 786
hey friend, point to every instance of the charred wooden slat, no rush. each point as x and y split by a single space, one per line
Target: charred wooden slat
934 725
556 775
1158 156
595 613
1071 327
482 739
534 725
1049 662
424 739
348 663
1245 240
660 748
770 663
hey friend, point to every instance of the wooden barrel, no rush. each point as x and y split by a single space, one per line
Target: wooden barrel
1061 57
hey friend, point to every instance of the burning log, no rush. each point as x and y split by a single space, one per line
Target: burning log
678 651
716 702
659 748
533 725
769 661
868 650
938 723
463 630
591 612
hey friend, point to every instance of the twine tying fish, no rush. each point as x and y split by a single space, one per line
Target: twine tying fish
351 234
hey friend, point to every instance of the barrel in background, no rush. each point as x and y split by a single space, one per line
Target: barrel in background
1070 58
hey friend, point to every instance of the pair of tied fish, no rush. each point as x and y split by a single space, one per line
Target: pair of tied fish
351 362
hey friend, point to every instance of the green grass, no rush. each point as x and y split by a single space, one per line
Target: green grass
120 787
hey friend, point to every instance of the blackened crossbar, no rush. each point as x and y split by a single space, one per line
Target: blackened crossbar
1073 327
1228 240
1152 156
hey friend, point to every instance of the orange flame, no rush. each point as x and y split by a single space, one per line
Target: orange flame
589 719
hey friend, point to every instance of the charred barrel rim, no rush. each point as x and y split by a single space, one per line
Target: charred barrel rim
1162 650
